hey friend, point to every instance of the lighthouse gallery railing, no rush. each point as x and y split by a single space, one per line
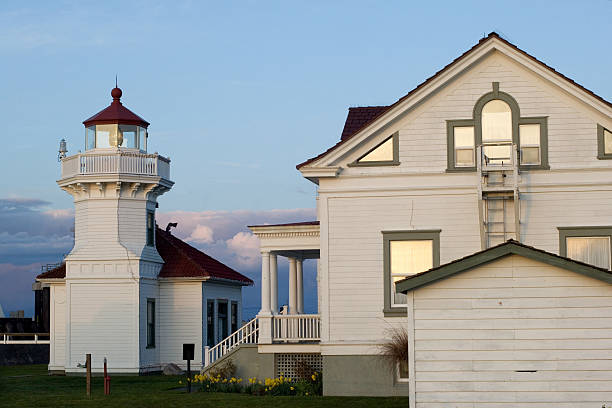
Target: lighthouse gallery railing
116 162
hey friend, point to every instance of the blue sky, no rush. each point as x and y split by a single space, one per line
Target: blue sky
237 94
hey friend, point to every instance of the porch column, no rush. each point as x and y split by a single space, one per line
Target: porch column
274 282
292 286
265 283
300 287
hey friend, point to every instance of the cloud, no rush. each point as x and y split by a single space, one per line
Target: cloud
201 235
31 235
246 248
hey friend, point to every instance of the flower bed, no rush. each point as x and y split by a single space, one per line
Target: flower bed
269 386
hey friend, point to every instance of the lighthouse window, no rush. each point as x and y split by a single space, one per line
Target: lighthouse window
129 133
90 137
106 135
150 228
142 137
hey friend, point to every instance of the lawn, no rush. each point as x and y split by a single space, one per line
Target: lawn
30 386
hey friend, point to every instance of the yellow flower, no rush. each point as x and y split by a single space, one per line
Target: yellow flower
180 382
314 377
291 388
306 393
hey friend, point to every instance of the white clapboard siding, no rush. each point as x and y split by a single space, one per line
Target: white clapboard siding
356 252
57 352
149 356
180 317
486 331
104 323
571 125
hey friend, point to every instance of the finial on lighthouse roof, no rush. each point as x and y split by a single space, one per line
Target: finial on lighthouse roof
116 94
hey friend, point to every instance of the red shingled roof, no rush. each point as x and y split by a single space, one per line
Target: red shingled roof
116 113
181 260
354 129
359 116
55 273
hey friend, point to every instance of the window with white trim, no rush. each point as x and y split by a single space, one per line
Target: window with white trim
401 371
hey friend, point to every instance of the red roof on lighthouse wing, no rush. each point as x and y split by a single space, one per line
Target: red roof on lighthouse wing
116 113
181 260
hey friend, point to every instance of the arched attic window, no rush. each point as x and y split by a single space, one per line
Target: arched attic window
497 125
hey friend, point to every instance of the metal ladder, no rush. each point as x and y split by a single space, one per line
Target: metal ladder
498 198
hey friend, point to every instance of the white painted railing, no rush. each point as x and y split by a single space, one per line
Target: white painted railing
247 334
296 328
116 162
10 338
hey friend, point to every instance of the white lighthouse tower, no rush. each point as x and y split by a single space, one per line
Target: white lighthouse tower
111 273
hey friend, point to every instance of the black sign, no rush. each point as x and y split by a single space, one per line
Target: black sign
188 351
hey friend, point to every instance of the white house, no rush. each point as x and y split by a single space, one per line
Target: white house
494 176
129 291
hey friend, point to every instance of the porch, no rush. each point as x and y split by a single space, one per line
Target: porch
297 242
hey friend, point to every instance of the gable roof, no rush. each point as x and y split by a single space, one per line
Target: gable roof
383 109
181 260
510 247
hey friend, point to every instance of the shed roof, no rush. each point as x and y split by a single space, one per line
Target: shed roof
510 247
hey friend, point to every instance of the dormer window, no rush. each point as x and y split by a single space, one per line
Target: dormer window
383 154
498 127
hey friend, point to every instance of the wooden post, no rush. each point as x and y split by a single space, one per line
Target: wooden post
88 368
189 376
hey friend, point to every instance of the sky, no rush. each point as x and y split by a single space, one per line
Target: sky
237 94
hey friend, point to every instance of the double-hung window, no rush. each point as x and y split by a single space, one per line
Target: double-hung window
406 253
591 245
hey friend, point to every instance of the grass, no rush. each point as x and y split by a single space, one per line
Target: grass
31 386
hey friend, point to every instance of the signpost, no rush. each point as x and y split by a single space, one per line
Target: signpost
88 369
188 354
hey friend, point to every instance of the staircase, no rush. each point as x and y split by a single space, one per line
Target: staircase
247 334
498 194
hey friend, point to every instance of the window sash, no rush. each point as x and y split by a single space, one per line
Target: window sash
403 263
590 249
150 323
150 228
402 372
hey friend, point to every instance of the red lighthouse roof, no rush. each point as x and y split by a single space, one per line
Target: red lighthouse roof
116 113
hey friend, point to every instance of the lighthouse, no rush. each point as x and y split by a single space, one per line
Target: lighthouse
111 273
129 291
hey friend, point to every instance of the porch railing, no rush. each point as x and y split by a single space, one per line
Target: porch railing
287 328
116 162
30 338
247 334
